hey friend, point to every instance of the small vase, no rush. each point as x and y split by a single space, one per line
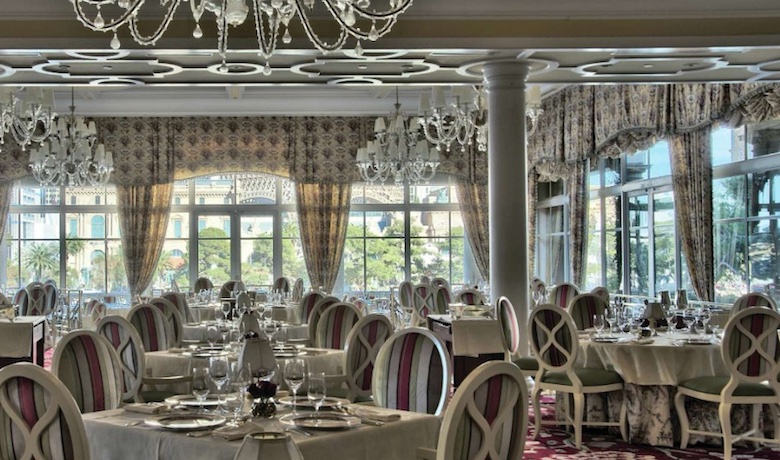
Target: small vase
264 407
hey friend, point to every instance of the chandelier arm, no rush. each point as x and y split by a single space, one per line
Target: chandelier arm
111 25
388 16
401 7
313 38
152 39
267 43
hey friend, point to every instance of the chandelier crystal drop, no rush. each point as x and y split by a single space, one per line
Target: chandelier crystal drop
72 154
363 20
399 150
29 118
446 123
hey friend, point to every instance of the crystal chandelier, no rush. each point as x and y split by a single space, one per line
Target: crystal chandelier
533 107
28 120
398 150
456 122
72 154
360 19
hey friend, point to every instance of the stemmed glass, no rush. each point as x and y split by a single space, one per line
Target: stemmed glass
226 307
611 320
671 317
268 315
212 335
316 392
280 338
537 296
705 315
598 324
218 370
200 384
294 376
690 319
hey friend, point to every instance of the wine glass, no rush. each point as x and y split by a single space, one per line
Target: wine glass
218 371
234 403
598 324
294 376
611 320
537 296
212 335
316 392
268 314
689 318
705 315
280 338
671 317
200 384
226 308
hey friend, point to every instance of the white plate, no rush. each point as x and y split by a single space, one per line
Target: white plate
190 400
288 354
323 421
302 402
604 339
203 354
186 422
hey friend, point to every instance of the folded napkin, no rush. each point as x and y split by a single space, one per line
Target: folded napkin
146 408
638 341
231 433
370 414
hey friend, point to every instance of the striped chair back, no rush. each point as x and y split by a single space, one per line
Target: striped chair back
361 305
413 372
601 292
20 298
297 290
152 326
424 303
89 367
751 347
537 284
363 344
173 317
562 294
97 311
406 295
583 307
52 294
553 338
38 416
439 282
507 320
425 279
442 298
227 289
335 324
33 302
282 285
316 314
470 297
307 303
201 284
129 347
487 417
174 286
753 299
179 301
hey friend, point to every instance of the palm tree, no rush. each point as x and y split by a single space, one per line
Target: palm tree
73 245
40 257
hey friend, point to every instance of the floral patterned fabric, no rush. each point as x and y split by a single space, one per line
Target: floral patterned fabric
474 208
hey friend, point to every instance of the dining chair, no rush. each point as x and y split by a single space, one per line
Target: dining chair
601 292
425 279
227 289
89 367
174 318
751 352
424 304
52 296
281 285
406 295
584 307
154 329
179 301
201 284
316 314
439 282
137 387
38 416
335 324
510 336
413 372
753 299
307 303
555 343
487 417
442 299
96 310
297 290
470 297
32 301
562 294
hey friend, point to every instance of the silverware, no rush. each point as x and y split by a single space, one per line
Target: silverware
134 422
199 434
298 430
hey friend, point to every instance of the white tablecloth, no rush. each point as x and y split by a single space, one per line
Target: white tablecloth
197 332
110 439
17 336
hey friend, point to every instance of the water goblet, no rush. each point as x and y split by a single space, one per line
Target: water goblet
226 309
671 317
537 296
598 324
212 335
218 371
705 315
200 384
280 337
294 376
689 318
268 314
316 392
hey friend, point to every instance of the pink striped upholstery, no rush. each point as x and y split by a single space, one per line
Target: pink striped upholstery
129 347
412 372
583 307
424 303
20 298
152 326
601 292
487 416
281 284
29 431
753 299
442 298
89 367
555 351
361 304
307 304
33 302
201 284
470 297
507 319
334 325
173 317
752 344
363 345
562 294
179 301
316 314
439 282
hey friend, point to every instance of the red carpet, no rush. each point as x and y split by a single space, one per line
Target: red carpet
555 443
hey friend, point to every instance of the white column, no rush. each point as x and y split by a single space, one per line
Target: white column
508 186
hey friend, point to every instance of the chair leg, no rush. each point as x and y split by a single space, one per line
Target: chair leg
682 415
755 410
623 418
725 425
579 408
773 408
537 411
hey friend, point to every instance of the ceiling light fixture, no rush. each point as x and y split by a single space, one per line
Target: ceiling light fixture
447 123
359 19
29 118
72 154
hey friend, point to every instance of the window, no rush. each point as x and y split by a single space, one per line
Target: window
98 224
177 228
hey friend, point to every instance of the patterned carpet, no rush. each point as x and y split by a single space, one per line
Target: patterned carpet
557 444
47 357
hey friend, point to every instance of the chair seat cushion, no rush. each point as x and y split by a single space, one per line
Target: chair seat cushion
527 363
589 377
714 385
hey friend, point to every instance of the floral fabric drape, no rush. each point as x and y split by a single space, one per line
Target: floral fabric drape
474 209
323 213
6 191
578 220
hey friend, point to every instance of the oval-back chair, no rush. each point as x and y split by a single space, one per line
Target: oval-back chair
470 297
201 284
281 285
173 317
363 344
152 326
179 301
562 294
442 298
335 324
584 307
307 303
316 314
753 299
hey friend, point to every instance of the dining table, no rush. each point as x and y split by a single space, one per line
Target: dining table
197 332
121 434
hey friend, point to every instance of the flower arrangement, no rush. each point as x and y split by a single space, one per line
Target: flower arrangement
263 391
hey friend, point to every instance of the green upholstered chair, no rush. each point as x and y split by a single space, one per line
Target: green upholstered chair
584 307
555 343
753 299
562 294
751 352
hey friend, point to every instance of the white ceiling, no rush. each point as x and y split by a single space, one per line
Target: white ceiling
438 42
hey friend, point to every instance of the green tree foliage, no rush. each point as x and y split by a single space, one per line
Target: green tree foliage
42 259
214 255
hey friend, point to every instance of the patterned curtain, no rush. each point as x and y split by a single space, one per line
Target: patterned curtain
533 198
473 204
6 191
578 220
323 212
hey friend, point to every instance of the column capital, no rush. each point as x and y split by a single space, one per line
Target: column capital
505 74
